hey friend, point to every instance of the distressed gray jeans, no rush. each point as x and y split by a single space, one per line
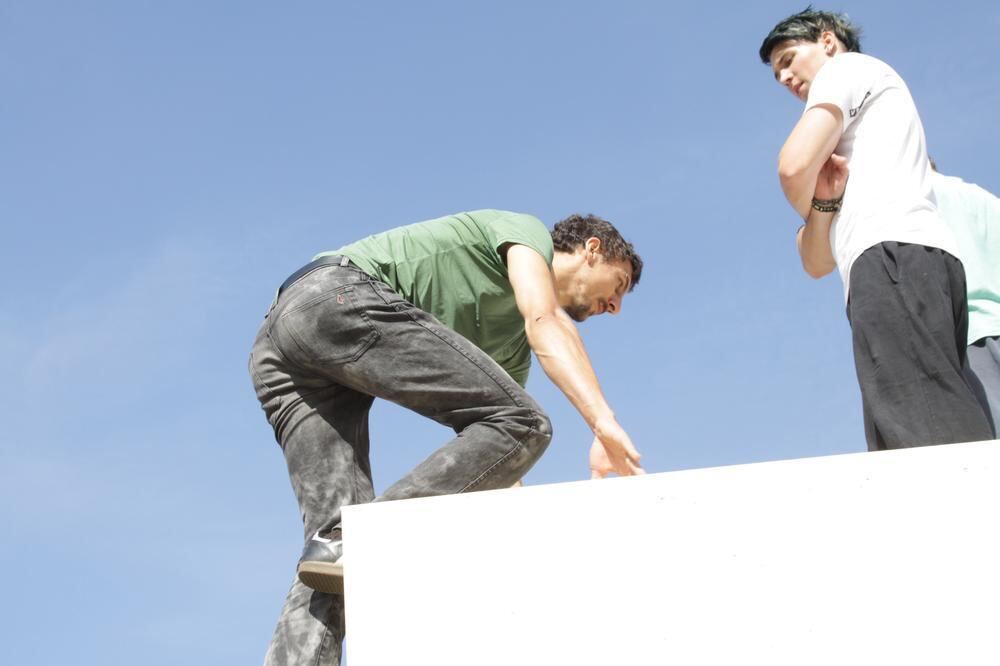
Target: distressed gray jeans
335 340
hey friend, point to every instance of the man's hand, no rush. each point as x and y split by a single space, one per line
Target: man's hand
557 345
813 238
613 451
832 179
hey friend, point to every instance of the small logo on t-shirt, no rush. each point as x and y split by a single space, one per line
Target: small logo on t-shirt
856 109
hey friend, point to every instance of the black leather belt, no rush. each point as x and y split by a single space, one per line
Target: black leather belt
329 260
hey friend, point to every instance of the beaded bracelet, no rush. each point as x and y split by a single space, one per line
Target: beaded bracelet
827 205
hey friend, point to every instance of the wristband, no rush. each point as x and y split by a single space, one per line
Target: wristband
827 205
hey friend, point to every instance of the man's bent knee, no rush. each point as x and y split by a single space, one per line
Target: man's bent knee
541 434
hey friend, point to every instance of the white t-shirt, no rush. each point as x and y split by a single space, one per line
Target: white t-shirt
889 196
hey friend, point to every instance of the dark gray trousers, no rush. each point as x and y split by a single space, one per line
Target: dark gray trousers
909 319
334 341
983 373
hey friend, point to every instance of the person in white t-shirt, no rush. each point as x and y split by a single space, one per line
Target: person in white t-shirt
855 168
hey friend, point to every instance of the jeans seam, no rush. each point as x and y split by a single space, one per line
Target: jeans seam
356 442
323 645
518 446
253 371
486 473
275 347
496 380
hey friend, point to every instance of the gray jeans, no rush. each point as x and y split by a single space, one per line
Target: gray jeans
334 341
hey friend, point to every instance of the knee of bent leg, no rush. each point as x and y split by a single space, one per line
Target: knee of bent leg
541 432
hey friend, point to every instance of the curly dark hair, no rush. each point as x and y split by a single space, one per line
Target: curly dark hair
572 233
807 26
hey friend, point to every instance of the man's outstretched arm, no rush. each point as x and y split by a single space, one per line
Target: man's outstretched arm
806 150
557 344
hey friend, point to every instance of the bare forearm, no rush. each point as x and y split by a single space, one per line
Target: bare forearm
807 149
814 244
560 351
799 189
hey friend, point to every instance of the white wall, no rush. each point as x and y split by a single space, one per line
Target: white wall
881 558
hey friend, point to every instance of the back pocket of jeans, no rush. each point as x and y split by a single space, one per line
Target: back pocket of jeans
330 328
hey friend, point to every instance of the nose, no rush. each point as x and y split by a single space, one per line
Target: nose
785 78
615 305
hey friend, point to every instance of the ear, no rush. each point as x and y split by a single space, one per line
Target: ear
592 245
831 45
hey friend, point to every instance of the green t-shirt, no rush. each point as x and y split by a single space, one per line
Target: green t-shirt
450 267
974 216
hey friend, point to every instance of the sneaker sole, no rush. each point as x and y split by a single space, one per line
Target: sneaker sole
323 576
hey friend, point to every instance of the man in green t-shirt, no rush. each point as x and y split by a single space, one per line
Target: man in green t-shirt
440 317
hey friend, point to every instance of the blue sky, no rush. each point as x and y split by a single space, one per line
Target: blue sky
164 166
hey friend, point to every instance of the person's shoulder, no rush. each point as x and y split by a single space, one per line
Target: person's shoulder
939 179
859 58
954 185
490 214
857 62
945 182
507 219
877 67
858 71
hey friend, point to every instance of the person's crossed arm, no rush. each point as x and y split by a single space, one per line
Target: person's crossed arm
553 337
808 169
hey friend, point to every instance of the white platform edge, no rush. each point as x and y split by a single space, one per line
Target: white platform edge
887 557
